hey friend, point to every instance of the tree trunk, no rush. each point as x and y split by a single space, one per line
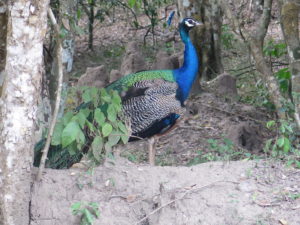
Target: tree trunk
3 28
91 24
289 19
26 28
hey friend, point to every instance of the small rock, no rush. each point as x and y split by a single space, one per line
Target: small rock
94 77
223 85
114 75
133 60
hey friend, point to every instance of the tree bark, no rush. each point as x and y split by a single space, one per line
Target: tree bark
26 28
289 19
3 29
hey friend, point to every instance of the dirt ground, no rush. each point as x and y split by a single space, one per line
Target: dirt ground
215 193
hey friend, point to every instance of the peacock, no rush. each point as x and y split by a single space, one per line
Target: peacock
154 101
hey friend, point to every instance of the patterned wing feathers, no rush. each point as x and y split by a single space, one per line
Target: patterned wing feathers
156 101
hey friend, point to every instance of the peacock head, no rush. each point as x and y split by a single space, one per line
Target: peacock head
185 26
188 23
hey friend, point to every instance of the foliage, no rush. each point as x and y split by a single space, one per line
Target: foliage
88 212
95 126
260 95
104 8
285 145
150 9
227 37
274 50
283 76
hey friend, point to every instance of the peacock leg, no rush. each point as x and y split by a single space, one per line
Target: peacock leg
151 147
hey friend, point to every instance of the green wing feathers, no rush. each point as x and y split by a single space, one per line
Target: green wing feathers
130 79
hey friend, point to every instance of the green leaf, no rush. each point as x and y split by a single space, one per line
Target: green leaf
131 3
86 112
289 128
95 208
116 100
99 117
56 137
72 148
80 119
282 129
287 145
114 138
280 142
107 147
105 96
97 146
111 113
78 13
86 96
268 145
270 124
90 126
70 133
89 217
95 96
63 32
80 138
75 208
106 129
122 127
67 117
125 138
283 74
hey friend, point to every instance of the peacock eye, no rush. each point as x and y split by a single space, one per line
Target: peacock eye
189 23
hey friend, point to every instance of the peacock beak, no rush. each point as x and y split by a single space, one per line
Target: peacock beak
198 23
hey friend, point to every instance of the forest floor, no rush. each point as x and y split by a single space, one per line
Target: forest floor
197 180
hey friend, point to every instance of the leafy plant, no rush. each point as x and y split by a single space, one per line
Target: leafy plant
88 212
283 146
151 9
282 142
273 49
94 127
227 37
283 76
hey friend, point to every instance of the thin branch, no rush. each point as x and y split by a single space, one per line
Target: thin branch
235 23
58 94
192 190
242 73
130 9
84 8
149 29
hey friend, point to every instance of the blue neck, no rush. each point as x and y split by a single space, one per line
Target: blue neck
185 75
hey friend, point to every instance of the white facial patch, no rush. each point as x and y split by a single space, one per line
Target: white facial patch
187 23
